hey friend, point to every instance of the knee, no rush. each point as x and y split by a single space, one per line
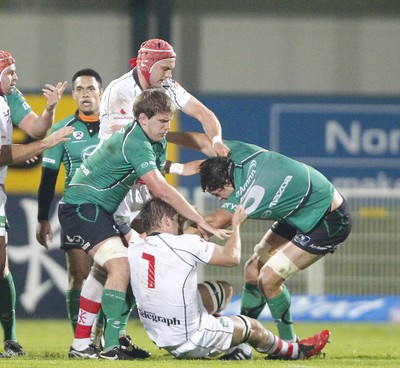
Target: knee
252 269
75 281
268 282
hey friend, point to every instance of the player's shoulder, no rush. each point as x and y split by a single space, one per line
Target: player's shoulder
121 81
15 95
172 84
187 242
67 121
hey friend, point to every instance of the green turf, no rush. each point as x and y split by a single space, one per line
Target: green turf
353 345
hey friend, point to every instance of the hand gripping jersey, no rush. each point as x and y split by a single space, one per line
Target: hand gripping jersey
107 175
272 186
164 282
117 100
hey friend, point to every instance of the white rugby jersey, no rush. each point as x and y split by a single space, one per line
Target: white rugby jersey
117 100
6 129
164 282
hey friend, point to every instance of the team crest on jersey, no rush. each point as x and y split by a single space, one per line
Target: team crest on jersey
87 151
78 134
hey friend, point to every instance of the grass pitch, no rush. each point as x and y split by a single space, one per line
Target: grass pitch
352 345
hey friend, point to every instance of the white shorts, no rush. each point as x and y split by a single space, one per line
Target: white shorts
213 337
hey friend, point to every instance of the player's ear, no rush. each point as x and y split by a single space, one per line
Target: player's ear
142 119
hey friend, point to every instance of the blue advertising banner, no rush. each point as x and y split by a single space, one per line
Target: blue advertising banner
354 141
334 308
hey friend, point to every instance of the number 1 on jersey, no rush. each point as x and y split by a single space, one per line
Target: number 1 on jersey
150 272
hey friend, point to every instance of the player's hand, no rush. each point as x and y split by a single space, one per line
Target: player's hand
43 231
205 228
221 149
53 94
239 216
191 168
58 136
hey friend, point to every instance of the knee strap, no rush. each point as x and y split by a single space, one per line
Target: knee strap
112 248
282 265
247 327
217 294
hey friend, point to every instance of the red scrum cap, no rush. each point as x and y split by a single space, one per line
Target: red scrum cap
150 53
5 60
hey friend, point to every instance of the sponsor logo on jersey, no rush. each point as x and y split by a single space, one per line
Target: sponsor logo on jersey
230 206
122 112
155 318
78 134
144 165
249 180
85 170
26 106
49 160
280 191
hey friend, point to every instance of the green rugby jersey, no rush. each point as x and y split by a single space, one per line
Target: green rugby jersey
107 175
72 153
19 107
272 186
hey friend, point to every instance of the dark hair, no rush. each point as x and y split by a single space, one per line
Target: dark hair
87 72
151 102
214 173
153 211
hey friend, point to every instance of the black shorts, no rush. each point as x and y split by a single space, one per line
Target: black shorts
86 224
325 237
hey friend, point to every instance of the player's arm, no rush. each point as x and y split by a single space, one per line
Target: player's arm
230 253
17 153
45 197
159 187
186 169
210 123
192 140
219 219
37 126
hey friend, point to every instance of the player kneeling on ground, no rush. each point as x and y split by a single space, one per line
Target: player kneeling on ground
163 268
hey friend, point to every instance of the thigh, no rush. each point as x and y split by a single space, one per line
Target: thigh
78 262
274 239
301 258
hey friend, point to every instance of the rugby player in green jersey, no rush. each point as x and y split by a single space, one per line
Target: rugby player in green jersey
311 218
137 151
87 90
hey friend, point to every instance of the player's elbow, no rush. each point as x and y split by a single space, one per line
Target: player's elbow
233 259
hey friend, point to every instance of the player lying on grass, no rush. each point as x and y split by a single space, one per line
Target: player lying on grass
177 314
